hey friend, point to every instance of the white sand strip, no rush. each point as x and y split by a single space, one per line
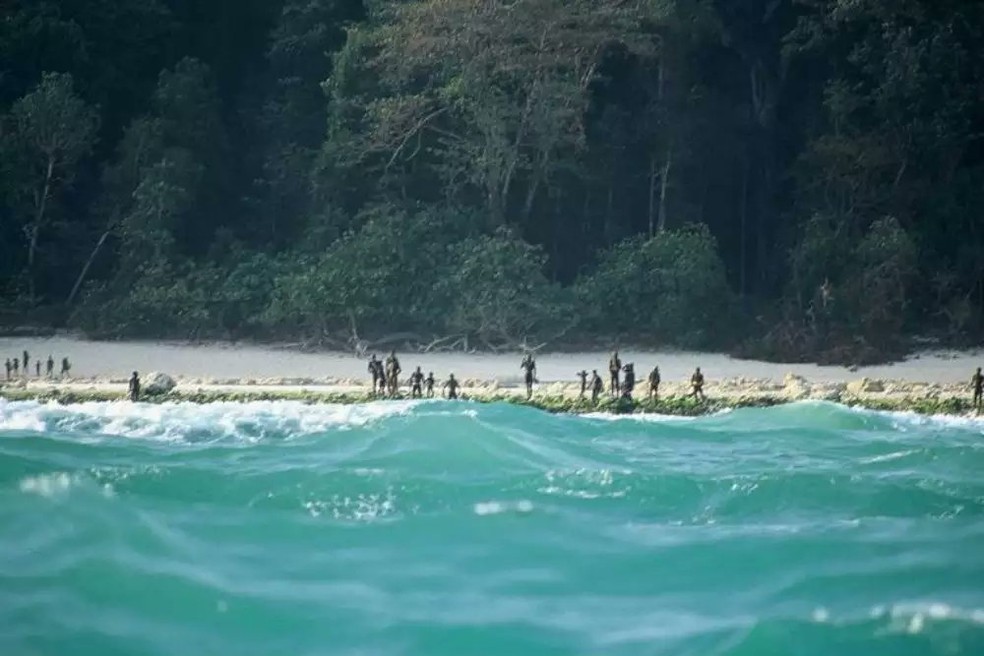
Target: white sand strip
234 362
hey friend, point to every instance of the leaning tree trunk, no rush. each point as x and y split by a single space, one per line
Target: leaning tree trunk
88 264
652 197
744 227
35 230
663 186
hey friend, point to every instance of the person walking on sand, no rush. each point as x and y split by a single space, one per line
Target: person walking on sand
429 384
529 367
654 381
614 367
697 383
416 383
66 367
583 375
133 389
452 385
49 367
597 385
977 382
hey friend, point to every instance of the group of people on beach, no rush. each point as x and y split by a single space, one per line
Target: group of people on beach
386 380
622 381
18 367
623 385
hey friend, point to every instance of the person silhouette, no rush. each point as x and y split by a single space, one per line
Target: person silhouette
134 387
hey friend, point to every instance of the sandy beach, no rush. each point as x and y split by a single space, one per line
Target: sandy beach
222 366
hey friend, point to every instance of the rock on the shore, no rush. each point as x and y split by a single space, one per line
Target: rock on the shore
795 387
830 392
865 386
158 383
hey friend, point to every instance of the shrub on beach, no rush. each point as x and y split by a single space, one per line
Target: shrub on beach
498 292
380 277
427 274
849 299
185 302
670 289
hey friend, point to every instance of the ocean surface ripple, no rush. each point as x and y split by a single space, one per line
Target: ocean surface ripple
436 528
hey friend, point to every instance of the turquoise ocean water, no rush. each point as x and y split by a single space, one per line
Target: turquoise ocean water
455 529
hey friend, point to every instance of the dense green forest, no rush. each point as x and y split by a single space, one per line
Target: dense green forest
784 178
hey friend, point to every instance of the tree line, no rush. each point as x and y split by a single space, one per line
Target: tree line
795 179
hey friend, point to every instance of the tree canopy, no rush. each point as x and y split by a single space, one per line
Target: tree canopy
790 178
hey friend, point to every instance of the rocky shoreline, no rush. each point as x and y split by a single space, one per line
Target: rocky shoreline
876 394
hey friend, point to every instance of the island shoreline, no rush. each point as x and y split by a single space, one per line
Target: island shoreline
566 400
931 382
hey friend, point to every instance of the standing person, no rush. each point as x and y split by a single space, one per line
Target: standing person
416 380
16 367
27 363
134 387
374 372
452 385
629 383
977 382
654 381
8 367
429 381
49 366
381 377
583 375
597 385
66 367
37 368
529 366
393 372
614 367
697 383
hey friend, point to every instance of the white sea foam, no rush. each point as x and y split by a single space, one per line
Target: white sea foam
904 420
195 422
907 419
499 507
358 508
47 485
22 416
642 417
935 610
912 617
888 457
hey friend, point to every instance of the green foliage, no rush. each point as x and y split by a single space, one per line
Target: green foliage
47 133
185 302
886 262
499 293
400 271
160 302
850 294
379 274
868 279
671 289
53 124
362 154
